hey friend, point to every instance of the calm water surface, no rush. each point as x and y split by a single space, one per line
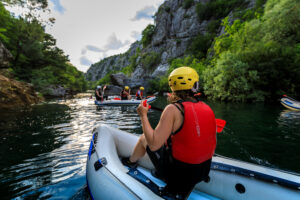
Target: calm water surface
43 150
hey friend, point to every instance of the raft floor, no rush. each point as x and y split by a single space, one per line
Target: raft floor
195 195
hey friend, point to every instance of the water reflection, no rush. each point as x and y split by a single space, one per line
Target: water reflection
43 150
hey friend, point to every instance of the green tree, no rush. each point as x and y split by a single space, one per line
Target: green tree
36 59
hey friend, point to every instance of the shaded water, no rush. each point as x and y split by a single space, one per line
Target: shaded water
43 150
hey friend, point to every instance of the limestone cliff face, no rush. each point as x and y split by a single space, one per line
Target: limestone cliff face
175 28
117 62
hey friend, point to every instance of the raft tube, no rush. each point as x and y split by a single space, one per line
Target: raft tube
290 104
229 179
115 102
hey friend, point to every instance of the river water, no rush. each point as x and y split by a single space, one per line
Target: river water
43 150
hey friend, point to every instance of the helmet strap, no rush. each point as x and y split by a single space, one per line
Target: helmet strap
195 89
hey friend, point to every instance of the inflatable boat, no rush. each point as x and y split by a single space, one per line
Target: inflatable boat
229 179
290 103
119 102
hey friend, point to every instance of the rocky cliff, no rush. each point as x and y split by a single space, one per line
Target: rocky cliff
176 24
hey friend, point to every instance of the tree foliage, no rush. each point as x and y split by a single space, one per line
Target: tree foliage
147 35
265 51
36 59
256 59
217 8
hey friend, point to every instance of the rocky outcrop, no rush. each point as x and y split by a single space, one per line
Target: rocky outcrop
112 90
121 81
57 91
118 79
15 94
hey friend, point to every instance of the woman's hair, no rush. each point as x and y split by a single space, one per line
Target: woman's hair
185 95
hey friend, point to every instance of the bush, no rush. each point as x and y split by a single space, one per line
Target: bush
231 79
127 70
257 59
150 60
187 4
147 35
200 44
212 26
106 79
159 85
217 8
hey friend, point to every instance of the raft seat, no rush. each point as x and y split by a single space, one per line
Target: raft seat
195 195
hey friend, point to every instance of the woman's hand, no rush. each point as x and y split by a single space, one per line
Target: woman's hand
142 110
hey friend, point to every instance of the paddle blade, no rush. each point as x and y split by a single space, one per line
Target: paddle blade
220 125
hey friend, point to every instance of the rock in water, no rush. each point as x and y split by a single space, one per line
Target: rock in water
15 94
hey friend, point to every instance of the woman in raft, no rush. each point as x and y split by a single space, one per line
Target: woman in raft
183 143
125 93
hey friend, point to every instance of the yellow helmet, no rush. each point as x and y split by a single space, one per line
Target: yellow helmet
141 88
183 78
126 88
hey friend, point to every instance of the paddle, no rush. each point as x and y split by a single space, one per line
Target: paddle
219 122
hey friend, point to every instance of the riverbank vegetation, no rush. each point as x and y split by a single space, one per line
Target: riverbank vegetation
256 59
36 58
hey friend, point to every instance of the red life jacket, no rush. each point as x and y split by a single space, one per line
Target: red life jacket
196 140
137 95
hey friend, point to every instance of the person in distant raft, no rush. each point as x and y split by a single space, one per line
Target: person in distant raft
183 143
139 93
99 93
125 93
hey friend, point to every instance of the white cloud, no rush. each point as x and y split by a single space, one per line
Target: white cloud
91 29
146 13
113 43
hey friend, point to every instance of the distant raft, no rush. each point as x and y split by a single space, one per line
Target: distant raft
290 103
118 102
229 179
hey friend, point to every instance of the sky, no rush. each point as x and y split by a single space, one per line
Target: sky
90 30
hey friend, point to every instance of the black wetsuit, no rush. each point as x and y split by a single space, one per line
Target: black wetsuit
123 95
100 94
